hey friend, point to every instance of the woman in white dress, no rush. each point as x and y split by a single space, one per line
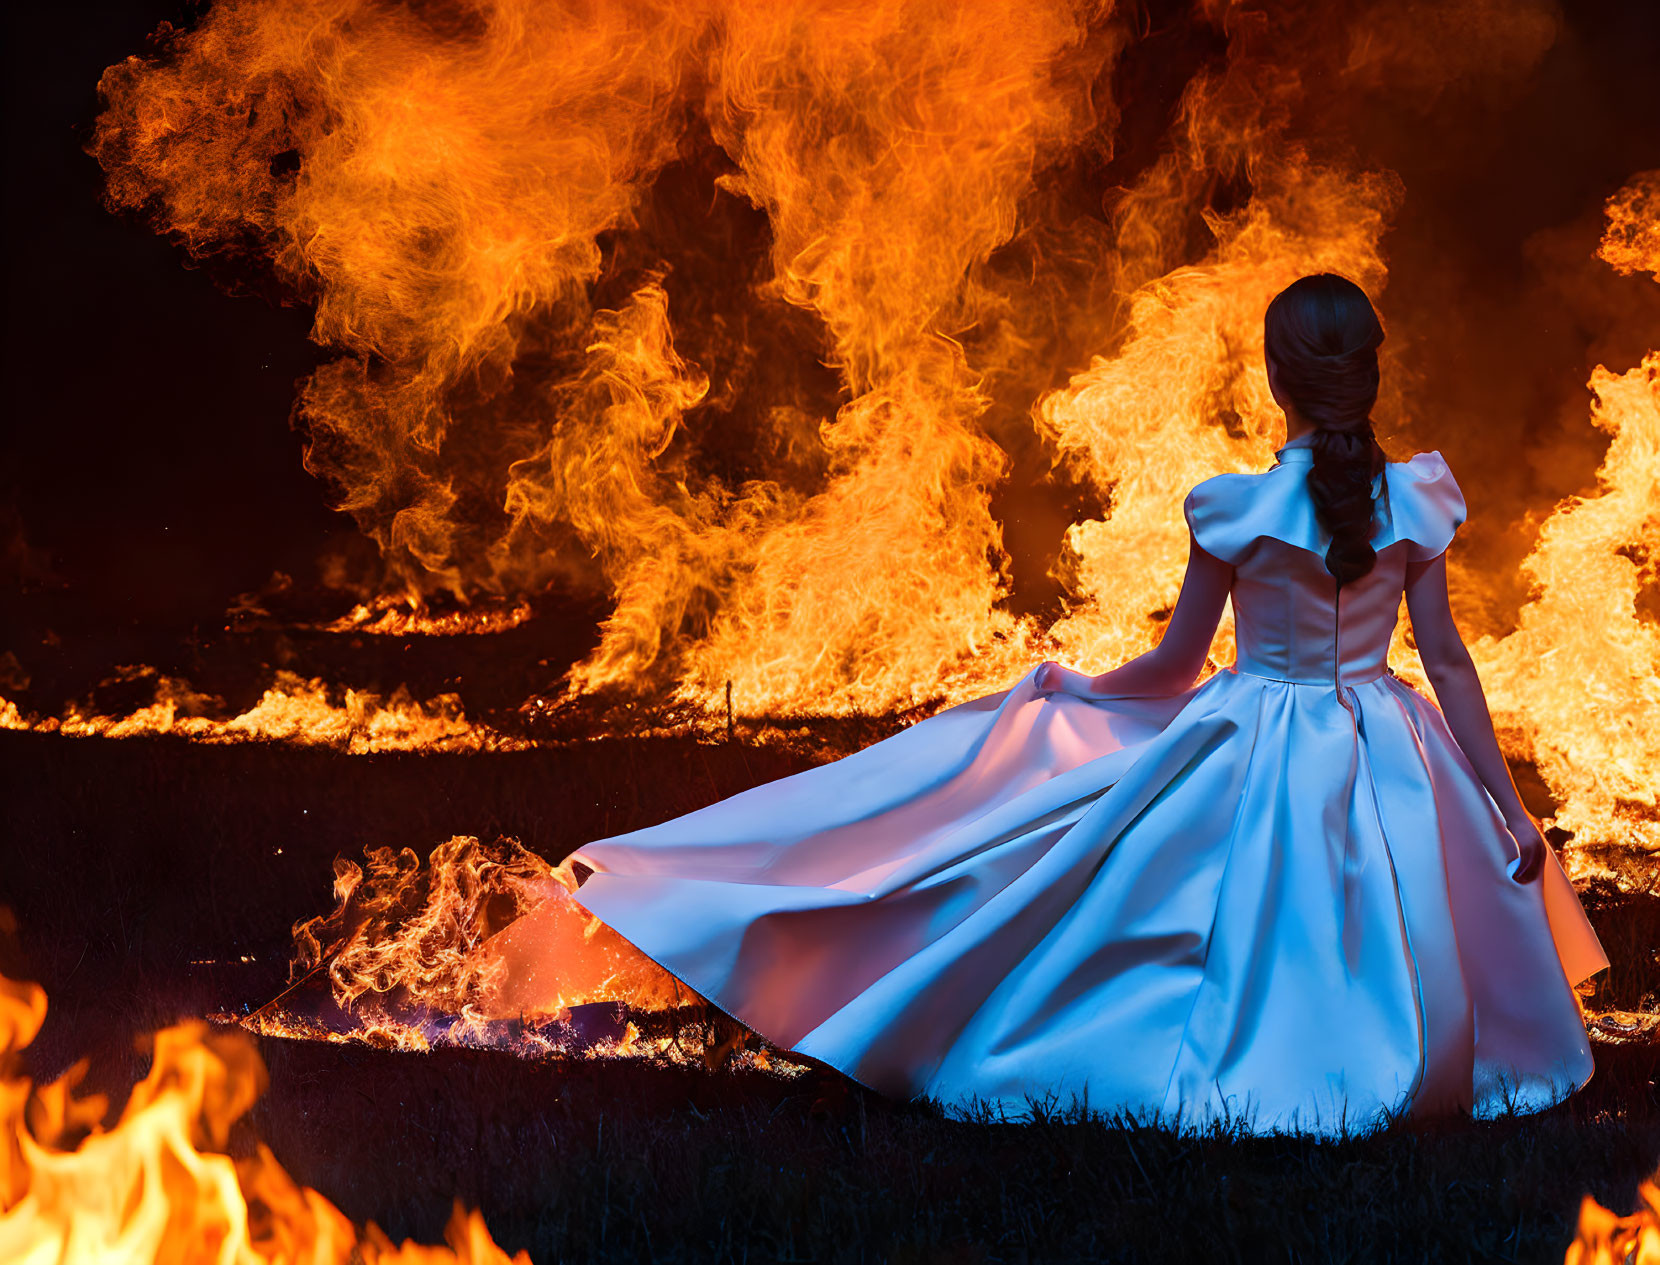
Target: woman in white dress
1298 896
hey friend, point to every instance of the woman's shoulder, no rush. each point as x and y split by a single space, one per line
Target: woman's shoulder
1227 513
1425 504
1426 468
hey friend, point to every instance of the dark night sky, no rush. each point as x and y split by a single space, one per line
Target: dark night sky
147 448
147 443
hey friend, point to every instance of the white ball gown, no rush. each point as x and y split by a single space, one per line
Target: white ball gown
1280 899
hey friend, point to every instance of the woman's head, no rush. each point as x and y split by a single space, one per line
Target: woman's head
1321 339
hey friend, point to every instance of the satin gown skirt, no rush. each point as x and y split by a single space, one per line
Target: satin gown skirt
1246 902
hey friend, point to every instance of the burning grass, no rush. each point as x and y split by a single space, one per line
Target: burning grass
293 709
159 880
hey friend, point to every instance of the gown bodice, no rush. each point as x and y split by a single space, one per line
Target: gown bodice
1290 622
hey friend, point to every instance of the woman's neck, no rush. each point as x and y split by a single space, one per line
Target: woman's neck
1296 425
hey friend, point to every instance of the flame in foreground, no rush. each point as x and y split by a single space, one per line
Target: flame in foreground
1605 1239
157 1186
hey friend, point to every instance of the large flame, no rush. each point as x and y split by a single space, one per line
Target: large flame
158 1186
1579 678
436 182
437 185
747 314
1580 675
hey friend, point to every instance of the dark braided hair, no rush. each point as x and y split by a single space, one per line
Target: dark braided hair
1322 336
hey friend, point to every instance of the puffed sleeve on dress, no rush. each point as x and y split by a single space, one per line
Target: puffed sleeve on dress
1218 513
1426 507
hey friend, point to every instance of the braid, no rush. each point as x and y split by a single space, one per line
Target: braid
1345 462
1323 336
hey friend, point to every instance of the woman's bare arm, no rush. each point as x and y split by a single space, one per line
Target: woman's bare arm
1458 690
1173 664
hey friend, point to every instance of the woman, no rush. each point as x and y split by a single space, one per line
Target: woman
1298 896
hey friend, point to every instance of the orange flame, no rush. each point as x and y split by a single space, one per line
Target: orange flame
1632 240
437 186
448 951
1580 675
1605 1239
293 709
385 617
421 932
158 1186
531 387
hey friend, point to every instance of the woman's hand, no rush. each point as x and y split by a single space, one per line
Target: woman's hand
1052 678
1530 846
1047 677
